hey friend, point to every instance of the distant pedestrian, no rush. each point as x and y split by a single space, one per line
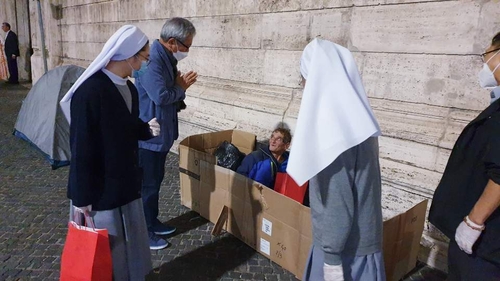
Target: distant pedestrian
4 72
11 52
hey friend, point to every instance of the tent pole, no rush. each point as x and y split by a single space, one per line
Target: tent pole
42 35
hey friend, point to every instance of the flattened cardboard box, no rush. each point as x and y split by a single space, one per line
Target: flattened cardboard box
274 225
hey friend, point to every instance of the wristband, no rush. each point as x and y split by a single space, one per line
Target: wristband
473 225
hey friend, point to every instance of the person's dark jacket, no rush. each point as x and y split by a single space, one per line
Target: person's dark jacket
104 138
475 160
11 45
261 166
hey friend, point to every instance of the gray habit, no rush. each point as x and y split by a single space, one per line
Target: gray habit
128 239
346 213
127 96
356 268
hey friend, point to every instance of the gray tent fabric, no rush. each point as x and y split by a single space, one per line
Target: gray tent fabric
41 121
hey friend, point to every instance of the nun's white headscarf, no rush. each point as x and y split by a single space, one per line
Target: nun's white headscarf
334 115
125 43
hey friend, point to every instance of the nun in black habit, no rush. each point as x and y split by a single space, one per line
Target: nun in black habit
104 179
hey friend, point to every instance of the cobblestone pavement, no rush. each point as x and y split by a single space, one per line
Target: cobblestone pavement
34 213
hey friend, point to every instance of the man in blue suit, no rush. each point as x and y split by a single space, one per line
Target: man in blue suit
162 90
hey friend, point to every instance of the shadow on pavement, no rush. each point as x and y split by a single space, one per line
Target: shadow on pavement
186 222
206 263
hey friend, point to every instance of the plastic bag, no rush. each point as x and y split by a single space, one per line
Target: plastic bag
228 156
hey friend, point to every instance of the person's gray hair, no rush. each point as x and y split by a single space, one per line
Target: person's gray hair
178 28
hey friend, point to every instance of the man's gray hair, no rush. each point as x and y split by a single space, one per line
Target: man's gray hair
178 28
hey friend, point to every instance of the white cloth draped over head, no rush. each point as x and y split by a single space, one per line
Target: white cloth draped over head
123 44
334 115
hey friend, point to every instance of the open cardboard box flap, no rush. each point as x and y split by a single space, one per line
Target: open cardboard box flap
402 235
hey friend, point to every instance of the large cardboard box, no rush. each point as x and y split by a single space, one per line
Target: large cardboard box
276 226
198 148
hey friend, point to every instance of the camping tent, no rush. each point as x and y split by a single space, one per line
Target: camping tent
41 121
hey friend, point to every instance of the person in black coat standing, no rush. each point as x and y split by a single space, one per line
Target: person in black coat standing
105 179
465 206
11 52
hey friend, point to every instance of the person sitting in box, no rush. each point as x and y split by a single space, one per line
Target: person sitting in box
263 164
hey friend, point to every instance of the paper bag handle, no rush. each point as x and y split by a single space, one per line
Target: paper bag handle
89 222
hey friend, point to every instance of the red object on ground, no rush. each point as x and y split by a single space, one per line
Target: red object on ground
285 185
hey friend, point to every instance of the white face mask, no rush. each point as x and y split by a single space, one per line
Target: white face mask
180 55
486 77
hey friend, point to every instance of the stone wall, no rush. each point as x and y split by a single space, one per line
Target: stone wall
419 61
54 37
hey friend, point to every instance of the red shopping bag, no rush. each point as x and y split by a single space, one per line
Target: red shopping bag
86 254
285 185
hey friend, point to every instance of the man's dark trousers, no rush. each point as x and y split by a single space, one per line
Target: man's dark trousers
153 166
464 267
13 72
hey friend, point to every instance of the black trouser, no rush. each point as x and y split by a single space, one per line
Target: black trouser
12 65
153 165
464 267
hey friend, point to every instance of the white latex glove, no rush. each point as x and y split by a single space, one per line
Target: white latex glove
333 272
154 126
466 235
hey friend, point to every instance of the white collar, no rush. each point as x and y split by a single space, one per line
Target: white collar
7 34
115 78
123 44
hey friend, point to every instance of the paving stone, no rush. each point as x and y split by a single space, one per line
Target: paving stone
35 213
271 277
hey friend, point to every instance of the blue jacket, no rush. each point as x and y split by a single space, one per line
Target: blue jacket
158 97
261 166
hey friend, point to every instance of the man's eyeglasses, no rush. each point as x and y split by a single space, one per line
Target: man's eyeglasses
179 41
483 55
